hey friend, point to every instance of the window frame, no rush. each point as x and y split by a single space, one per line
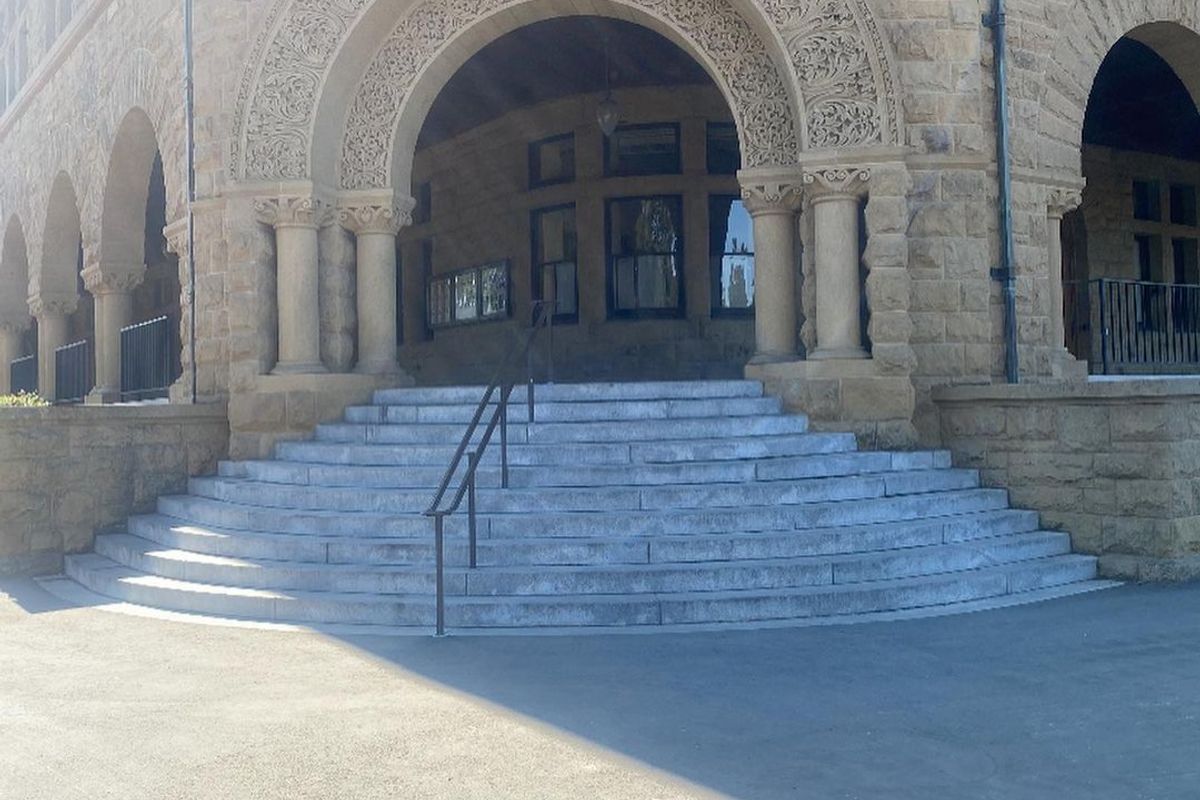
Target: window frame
717 310
677 168
537 268
535 180
451 279
615 313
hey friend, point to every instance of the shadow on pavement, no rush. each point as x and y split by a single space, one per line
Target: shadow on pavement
33 598
1095 696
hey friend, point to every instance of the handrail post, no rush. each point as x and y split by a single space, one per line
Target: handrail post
504 438
1100 290
471 465
550 344
439 546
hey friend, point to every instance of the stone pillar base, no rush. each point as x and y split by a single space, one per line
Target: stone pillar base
845 354
381 368
1066 367
845 395
102 397
303 368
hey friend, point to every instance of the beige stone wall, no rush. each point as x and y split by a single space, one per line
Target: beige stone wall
1115 463
68 472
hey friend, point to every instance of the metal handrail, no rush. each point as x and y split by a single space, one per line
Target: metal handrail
543 318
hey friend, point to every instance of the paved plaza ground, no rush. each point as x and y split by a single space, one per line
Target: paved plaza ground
1096 696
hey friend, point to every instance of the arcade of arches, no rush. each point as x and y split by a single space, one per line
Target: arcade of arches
799 192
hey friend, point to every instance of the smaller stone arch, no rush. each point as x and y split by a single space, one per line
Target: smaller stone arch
1093 27
126 189
55 278
14 276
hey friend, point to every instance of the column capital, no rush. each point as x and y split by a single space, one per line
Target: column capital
53 304
772 196
101 279
14 327
293 211
831 182
377 217
1060 202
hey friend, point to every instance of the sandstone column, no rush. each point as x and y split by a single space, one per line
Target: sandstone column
834 195
51 312
10 351
1062 201
296 221
773 205
375 227
112 287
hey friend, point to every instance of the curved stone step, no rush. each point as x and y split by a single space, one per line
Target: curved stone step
629 579
577 392
174 533
569 432
683 473
585 411
744 606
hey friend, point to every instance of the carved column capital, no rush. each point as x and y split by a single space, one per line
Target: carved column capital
102 279
46 305
828 182
381 218
292 211
772 196
1061 202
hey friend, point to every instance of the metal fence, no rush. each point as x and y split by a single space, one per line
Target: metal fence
23 375
149 360
73 372
1134 327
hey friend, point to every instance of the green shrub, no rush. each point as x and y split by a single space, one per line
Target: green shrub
22 400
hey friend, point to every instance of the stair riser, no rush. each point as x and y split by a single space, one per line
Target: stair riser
580 476
565 433
518 411
507 612
569 393
516 501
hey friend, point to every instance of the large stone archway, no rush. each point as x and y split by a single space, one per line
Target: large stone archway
798 76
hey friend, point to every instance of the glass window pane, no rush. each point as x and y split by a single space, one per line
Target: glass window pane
466 296
643 150
555 233
1187 270
625 278
1183 205
440 304
552 161
724 152
737 282
1147 201
495 290
565 292
645 240
657 282
731 253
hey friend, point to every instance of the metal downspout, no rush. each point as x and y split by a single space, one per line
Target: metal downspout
1006 273
190 114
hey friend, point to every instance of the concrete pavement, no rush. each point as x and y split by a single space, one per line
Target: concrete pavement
1096 696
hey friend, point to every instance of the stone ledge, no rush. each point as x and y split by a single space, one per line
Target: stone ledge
1146 569
1096 390
91 415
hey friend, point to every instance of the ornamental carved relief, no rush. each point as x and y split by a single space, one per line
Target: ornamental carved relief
841 64
772 195
382 218
1061 202
277 102
838 180
760 99
293 212
101 280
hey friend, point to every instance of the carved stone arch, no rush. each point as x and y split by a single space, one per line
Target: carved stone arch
126 188
436 36
842 64
1091 28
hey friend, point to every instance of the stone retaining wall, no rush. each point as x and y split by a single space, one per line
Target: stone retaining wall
67 472
1114 462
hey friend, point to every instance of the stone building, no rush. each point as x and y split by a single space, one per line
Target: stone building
387 191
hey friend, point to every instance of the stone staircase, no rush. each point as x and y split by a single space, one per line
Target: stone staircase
637 504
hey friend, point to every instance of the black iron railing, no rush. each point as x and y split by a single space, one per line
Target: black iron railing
499 392
149 360
1124 326
23 375
73 372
